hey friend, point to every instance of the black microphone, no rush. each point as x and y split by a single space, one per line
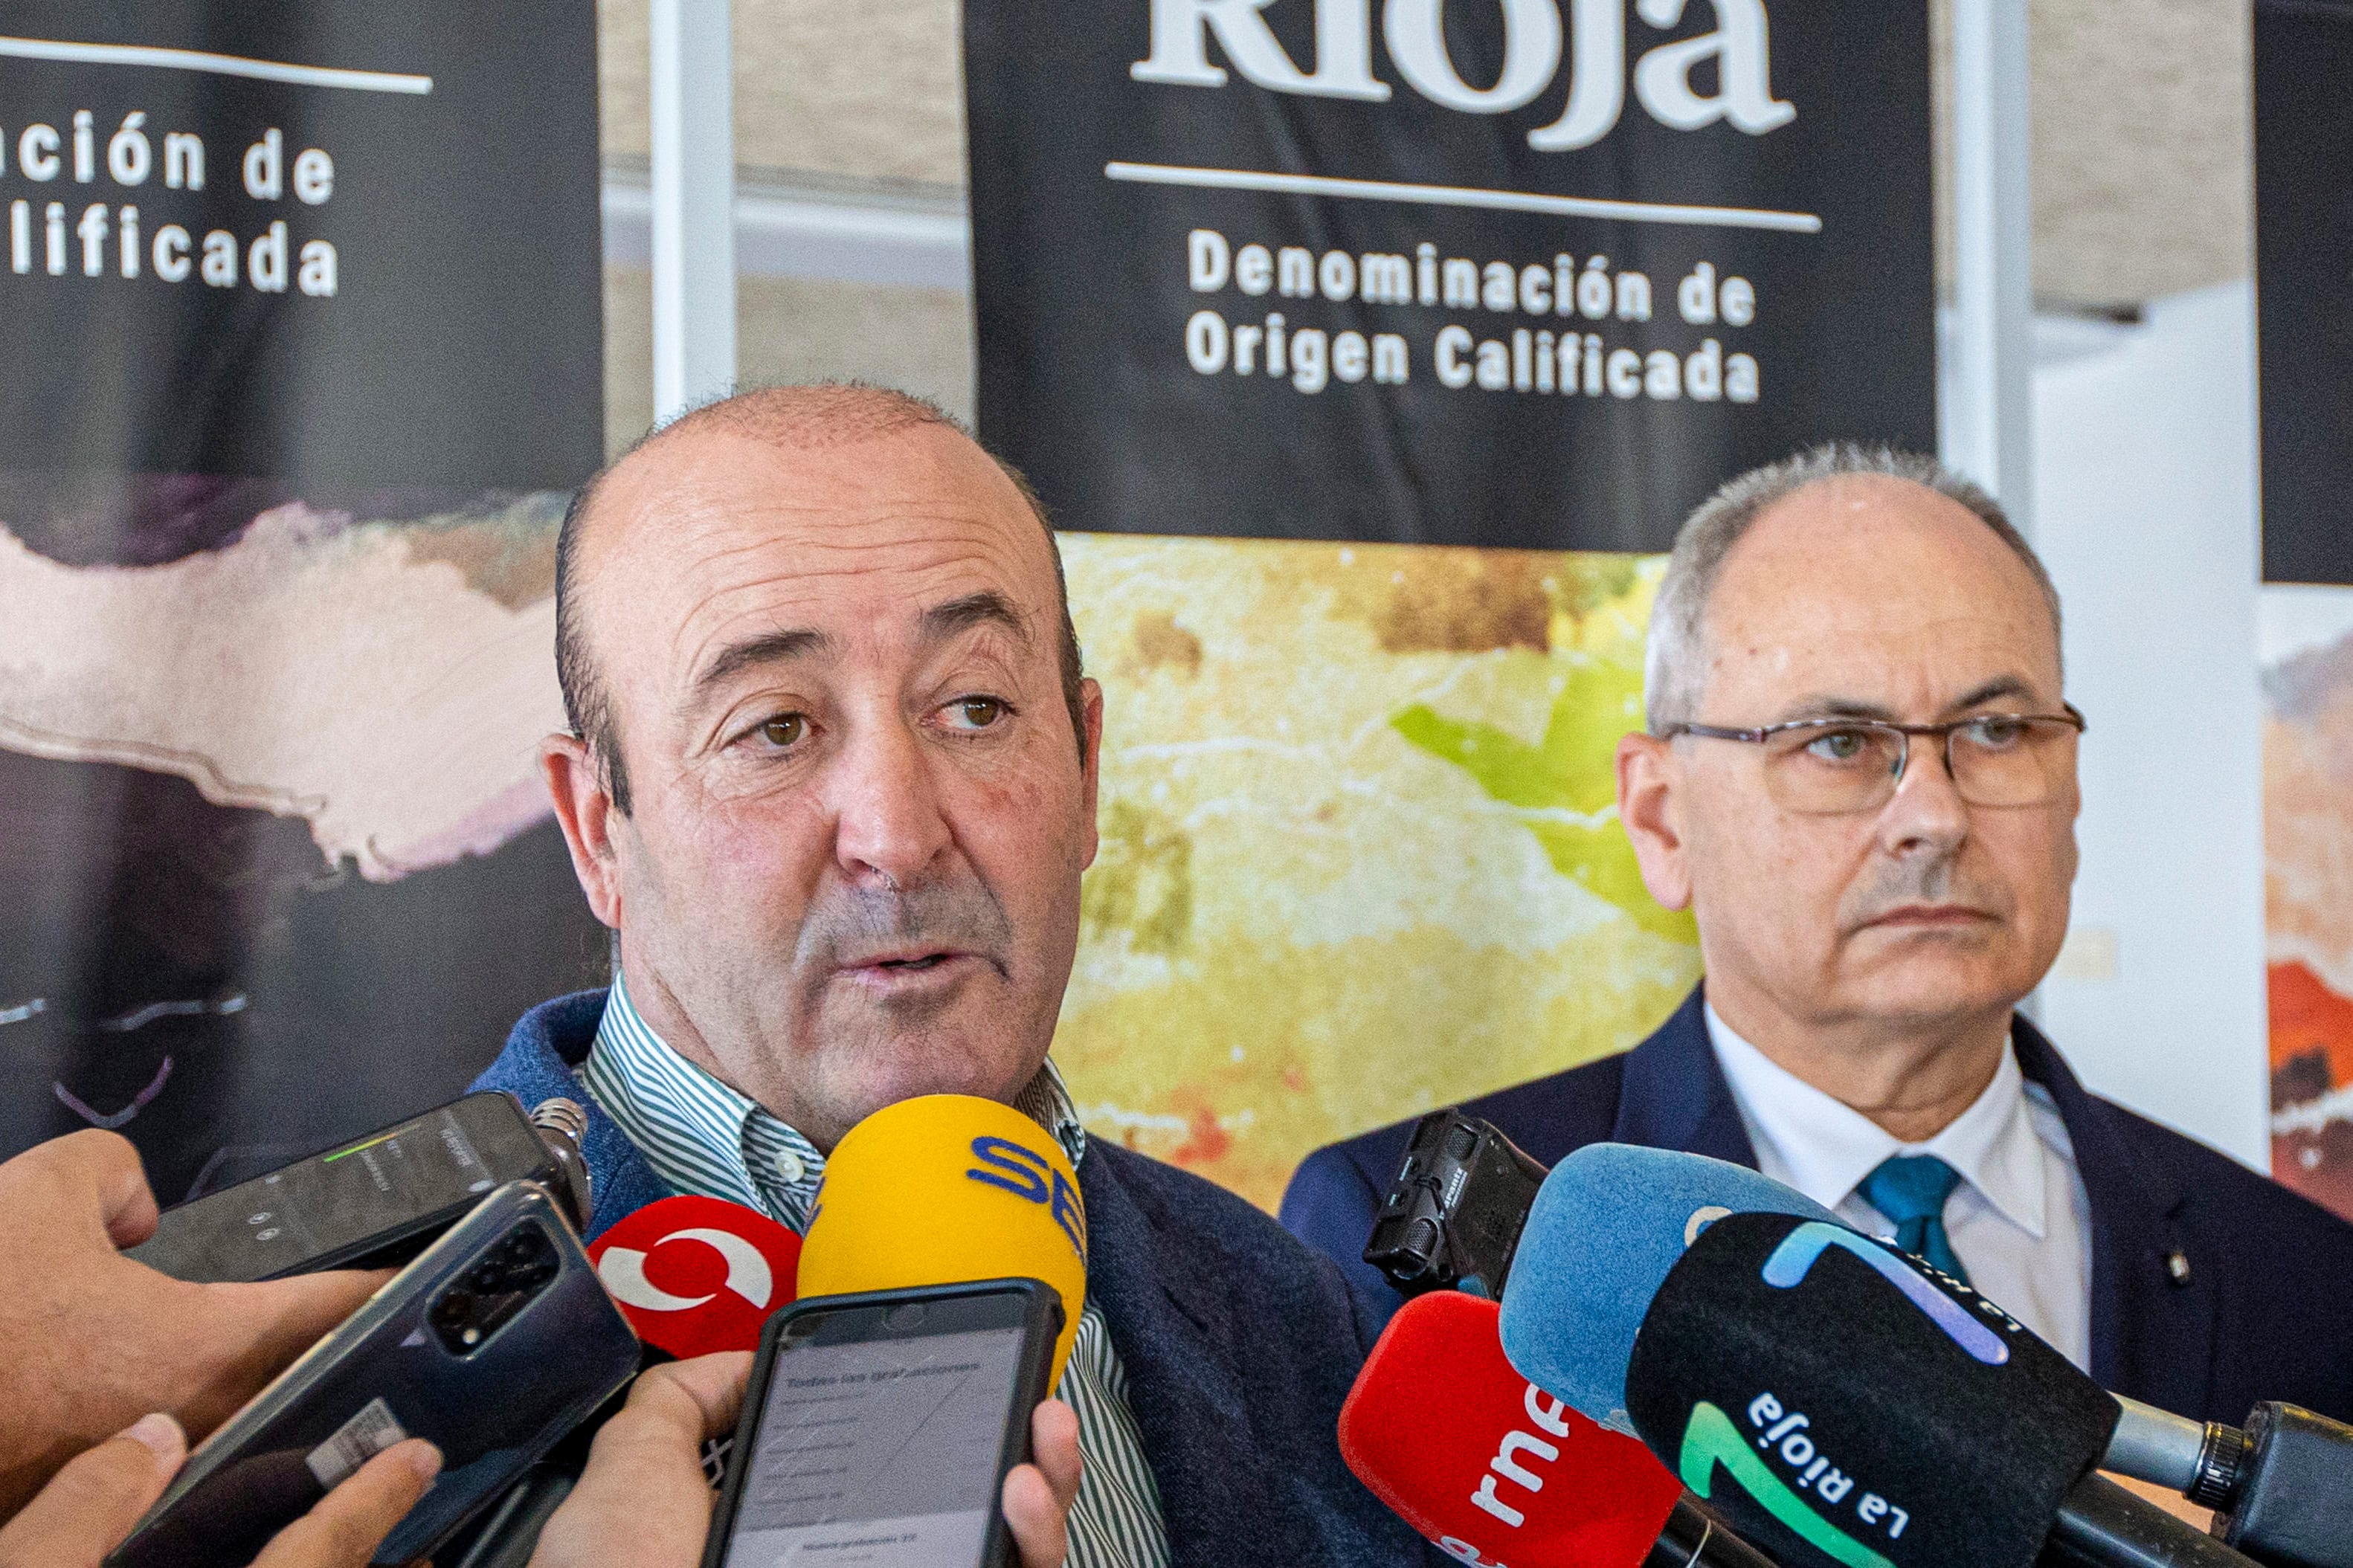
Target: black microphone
2281 1487
1834 1402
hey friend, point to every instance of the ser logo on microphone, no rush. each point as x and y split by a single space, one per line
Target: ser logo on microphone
1028 1175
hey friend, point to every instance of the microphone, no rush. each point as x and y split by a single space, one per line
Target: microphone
944 1189
1606 1226
1838 1402
2282 1488
695 1274
1494 1471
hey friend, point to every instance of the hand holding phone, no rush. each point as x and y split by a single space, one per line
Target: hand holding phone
494 1344
92 1503
114 1339
898 1423
644 1501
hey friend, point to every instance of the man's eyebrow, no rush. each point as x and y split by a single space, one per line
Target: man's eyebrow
769 647
1835 707
987 607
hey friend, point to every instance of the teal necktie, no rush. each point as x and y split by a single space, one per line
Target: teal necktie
1911 1190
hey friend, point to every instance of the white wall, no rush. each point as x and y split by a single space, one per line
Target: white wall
2144 511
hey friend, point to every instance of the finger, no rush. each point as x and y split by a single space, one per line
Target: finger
1037 1518
711 1386
94 1173
642 1498
1054 1448
254 1330
91 1504
347 1525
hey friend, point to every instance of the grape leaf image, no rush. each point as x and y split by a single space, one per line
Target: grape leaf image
1564 786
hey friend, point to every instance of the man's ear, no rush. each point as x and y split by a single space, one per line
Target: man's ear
584 809
1650 808
1090 704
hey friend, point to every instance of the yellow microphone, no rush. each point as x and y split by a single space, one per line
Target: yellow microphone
944 1189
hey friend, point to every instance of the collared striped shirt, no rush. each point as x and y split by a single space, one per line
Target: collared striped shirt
703 1137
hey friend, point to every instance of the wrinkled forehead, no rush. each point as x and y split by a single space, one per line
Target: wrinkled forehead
1879 589
708 536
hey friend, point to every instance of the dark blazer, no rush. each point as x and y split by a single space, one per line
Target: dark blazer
1238 1343
2259 1305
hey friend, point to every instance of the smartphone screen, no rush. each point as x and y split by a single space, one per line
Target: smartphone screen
880 1436
330 1207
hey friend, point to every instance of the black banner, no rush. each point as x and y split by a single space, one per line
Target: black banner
2304 233
300 327
1523 273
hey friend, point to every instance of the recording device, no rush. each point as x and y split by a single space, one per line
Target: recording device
695 1274
1833 1400
2282 1487
1451 1220
493 1344
879 1427
947 1187
377 1201
1509 1474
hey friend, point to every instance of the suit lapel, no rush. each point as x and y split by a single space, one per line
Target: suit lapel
2152 1336
1674 1095
1174 1335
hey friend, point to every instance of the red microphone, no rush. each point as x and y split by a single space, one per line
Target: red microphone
696 1275
1499 1474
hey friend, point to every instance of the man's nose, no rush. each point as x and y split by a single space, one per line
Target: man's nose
887 821
1926 812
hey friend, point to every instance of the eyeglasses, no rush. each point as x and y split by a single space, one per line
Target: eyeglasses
1833 767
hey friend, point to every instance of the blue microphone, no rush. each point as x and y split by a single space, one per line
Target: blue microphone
1606 1226
1838 1403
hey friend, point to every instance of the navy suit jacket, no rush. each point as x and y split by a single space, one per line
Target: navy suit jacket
1238 1343
2262 1307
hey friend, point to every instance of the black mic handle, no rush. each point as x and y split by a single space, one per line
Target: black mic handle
1695 1537
2101 1525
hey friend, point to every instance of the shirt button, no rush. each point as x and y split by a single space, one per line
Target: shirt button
790 1168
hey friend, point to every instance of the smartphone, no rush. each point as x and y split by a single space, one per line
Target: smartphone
494 1344
877 1429
374 1203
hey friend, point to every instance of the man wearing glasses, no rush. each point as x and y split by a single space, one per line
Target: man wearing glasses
1859 773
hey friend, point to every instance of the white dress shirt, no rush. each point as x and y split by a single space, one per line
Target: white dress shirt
2019 1219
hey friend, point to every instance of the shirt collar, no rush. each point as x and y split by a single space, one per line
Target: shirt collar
1828 1147
703 1136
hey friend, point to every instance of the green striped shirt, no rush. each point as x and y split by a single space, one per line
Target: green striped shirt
703 1137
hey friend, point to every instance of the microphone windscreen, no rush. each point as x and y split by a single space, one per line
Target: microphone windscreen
1837 1402
1484 1463
695 1274
946 1188
1607 1223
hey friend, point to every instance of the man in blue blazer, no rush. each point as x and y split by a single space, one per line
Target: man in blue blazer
831 781
1859 775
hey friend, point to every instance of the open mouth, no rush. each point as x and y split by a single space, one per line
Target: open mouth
929 961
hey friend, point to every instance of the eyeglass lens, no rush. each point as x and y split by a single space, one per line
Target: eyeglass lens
1832 768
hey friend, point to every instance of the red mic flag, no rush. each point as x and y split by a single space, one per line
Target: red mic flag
696 1275
1495 1471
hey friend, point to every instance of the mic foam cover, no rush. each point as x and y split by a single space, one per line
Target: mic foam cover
694 1275
1838 1402
1606 1226
946 1188
1440 1428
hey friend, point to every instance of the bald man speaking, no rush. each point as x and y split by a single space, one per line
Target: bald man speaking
831 781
